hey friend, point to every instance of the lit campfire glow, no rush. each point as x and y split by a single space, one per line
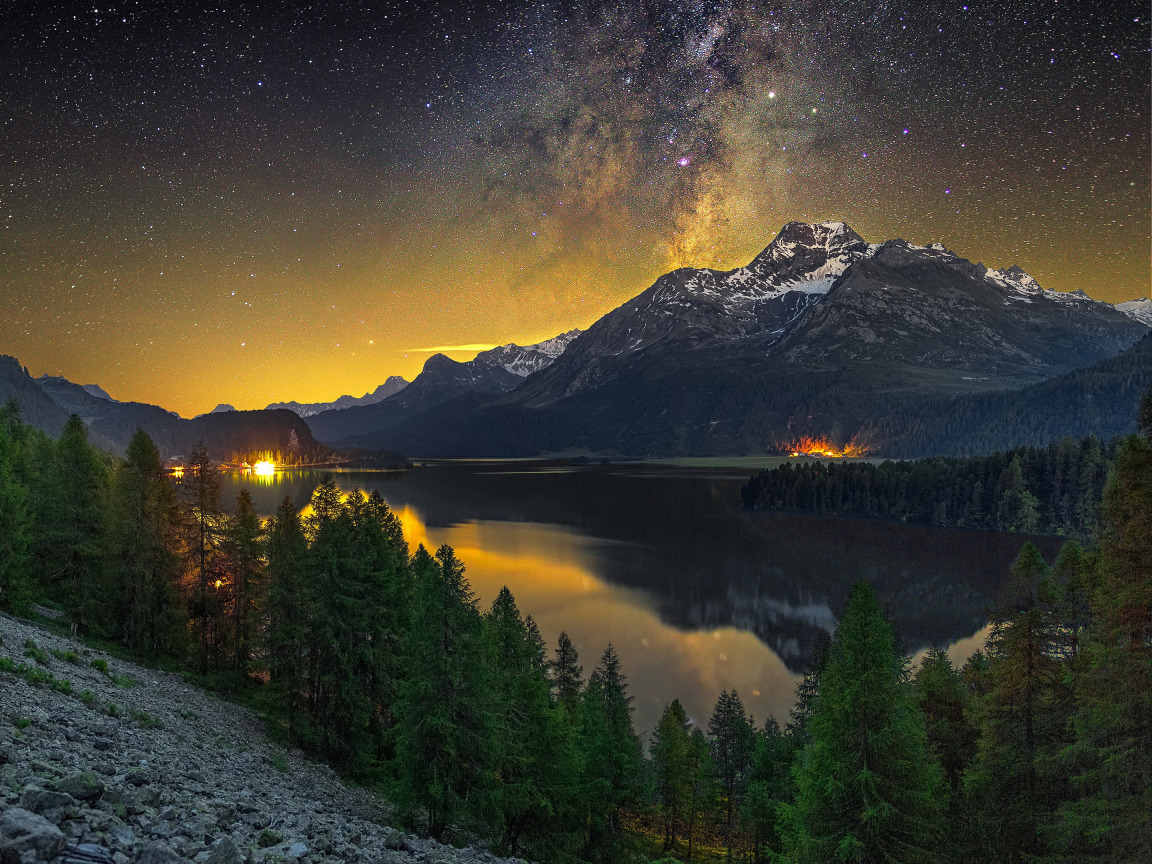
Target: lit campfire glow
263 469
807 446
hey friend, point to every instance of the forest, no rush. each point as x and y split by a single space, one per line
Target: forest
379 659
1032 490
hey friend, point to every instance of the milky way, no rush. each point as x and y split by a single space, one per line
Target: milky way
253 205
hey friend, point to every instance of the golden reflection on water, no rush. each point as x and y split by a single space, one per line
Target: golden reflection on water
551 572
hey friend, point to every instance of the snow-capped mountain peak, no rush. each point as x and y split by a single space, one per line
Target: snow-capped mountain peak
523 360
1138 310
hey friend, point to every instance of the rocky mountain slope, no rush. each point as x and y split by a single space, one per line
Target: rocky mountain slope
393 385
134 765
442 379
809 339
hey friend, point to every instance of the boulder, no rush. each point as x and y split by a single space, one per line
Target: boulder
159 853
225 852
23 831
83 787
44 802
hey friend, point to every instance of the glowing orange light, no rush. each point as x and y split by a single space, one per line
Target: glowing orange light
219 583
808 446
264 469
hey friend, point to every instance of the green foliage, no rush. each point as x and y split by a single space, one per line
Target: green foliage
614 761
146 720
99 665
35 652
1053 489
867 787
66 656
445 721
23 723
1106 817
267 838
280 763
15 509
732 743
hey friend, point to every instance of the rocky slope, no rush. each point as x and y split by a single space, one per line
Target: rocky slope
134 765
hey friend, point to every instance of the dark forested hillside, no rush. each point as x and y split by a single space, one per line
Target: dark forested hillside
1051 489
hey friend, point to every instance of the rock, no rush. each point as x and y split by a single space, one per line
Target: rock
24 831
84 786
51 805
88 853
158 853
225 852
139 777
297 850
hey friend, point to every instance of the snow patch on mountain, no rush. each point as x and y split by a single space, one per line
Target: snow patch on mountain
1138 310
523 360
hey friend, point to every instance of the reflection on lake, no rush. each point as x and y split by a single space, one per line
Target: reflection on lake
696 594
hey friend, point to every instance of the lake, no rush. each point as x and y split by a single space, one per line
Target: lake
696 594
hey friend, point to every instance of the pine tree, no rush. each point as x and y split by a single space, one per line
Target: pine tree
201 488
243 549
145 567
769 788
566 671
671 754
287 635
1015 728
1111 758
947 707
15 511
70 542
444 722
532 748
614 761
867 788
732 740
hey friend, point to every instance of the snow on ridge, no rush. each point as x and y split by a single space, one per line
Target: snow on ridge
1138 310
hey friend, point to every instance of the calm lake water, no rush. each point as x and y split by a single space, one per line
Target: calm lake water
696 594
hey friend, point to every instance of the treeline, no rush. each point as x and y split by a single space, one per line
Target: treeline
1050 490
381 660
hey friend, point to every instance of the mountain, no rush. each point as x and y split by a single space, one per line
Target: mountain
442 379
97 390
220 409
393 385
810 339
36 407
1139 310
112 424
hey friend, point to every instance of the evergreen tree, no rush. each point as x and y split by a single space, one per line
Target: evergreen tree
1111 758
72 529
1016 727
533 748
947 707
201 488
671 753
15 513
243 550
145 567
614 761
287 635
444 722
867 788
769 788
732 741
566 671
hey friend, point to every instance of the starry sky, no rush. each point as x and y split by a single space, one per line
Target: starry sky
245 203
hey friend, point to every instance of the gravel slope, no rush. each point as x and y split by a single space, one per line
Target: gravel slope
170 774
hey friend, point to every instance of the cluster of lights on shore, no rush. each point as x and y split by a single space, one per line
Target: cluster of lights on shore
822 447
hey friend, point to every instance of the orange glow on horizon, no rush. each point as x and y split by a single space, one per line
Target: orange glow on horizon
808 446
264 469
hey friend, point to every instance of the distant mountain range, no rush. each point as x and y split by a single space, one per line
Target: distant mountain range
821 336
493 372
893 348
390 387
46 403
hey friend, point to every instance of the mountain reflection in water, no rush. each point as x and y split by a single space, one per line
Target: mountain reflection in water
696 594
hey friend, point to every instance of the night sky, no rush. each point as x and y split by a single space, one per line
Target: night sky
222 203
